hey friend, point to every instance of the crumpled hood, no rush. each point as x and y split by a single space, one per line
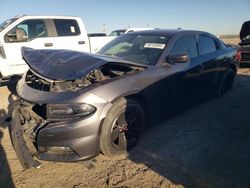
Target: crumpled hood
62 64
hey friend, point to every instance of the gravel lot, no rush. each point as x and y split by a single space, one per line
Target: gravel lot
207 145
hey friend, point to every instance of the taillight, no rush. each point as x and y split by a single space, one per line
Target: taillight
238 56
2 53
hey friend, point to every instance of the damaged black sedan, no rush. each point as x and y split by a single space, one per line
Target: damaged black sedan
74 105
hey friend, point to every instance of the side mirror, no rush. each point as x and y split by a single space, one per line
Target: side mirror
10 37
18 35
178 58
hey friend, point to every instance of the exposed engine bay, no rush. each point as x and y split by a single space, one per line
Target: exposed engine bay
105 72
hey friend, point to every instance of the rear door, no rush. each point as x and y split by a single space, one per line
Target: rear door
31 33
210 55
70 35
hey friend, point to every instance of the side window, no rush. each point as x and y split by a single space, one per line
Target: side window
219 44
66 27
27 31
185 45
206 45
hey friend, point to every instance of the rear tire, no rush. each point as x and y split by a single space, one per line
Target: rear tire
122 127
226 83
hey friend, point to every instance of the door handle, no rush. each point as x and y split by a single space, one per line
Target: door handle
48 44
81 42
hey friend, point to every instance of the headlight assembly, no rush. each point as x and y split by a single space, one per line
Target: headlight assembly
69 110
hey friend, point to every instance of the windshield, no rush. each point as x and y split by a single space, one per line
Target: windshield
7 23
140 48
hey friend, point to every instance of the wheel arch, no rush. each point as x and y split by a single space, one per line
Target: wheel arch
132 95
233 67
113 111
142 102
140 99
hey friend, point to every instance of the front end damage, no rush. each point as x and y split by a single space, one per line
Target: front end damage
33 135
59 119
22 144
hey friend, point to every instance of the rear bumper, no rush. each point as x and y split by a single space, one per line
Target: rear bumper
62 142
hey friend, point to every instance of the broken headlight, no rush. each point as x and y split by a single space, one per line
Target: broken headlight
69 110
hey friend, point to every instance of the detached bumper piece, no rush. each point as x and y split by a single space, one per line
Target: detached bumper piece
23 148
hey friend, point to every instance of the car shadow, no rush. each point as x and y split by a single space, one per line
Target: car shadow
207 145
5 119
5 173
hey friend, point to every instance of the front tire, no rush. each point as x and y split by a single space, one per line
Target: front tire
122 127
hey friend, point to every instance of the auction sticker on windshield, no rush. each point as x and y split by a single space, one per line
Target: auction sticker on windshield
154 45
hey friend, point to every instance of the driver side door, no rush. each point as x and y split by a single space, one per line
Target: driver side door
188 83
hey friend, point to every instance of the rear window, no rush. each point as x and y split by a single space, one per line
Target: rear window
206 44
66 27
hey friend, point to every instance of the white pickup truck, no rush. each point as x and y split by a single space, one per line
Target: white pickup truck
42 32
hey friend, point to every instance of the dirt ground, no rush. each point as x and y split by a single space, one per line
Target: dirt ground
207 145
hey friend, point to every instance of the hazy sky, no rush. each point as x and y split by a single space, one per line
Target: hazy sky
215 16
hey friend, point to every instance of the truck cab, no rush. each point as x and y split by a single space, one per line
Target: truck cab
38 32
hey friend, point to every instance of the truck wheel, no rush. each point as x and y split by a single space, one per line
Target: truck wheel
122 127
226 83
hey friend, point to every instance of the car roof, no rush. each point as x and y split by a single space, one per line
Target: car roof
169 32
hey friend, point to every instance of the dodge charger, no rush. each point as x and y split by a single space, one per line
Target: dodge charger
73 106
